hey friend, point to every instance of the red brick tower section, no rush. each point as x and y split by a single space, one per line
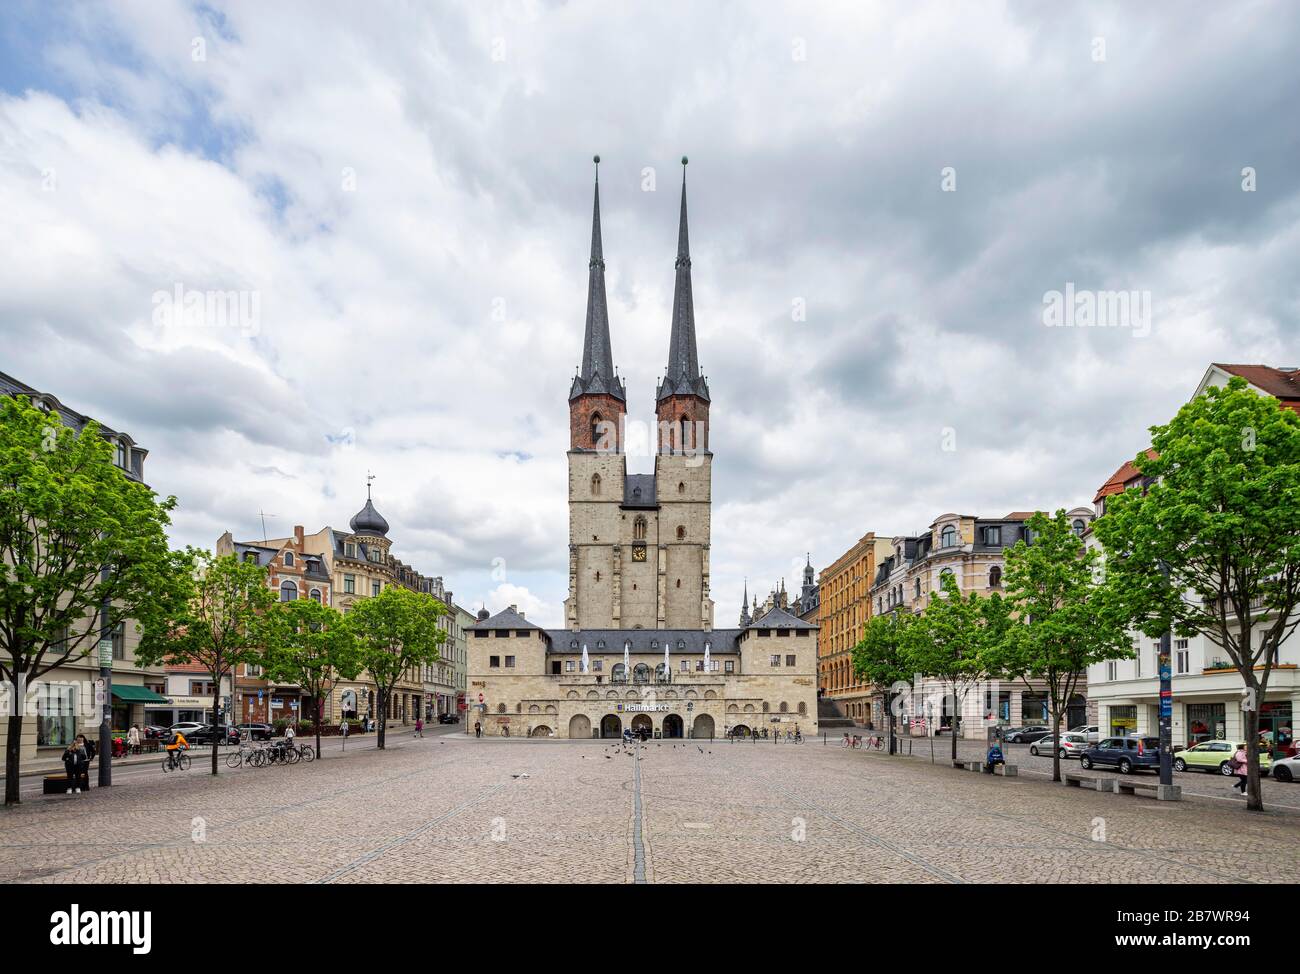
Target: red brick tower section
598 399
682 400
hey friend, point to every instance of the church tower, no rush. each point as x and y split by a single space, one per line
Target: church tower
597 466
683 463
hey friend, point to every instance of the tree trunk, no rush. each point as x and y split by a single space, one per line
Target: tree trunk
383 718
1056 743
956 709
320 712
217 725
13 749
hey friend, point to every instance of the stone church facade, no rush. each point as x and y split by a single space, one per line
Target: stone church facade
639 649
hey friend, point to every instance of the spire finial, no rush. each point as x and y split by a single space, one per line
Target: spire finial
596 160
369 479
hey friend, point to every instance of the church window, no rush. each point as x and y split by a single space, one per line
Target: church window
638 529
681 532
595 484
681 488
679 583
686 432
595 429
598 576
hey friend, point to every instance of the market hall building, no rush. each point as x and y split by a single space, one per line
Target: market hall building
639 650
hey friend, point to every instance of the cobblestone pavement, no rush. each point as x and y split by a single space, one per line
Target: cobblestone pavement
449 808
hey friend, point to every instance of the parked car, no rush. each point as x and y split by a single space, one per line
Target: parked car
1286 769
210 733
1214 756
257 732
155 732
187 728
1026 735
448 719
1125 754
1072 745
1090 731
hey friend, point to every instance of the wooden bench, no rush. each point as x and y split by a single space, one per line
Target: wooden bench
1075 779
58 784
1165 793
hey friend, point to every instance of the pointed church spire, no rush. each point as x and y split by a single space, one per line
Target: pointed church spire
744 606
683 375
597 373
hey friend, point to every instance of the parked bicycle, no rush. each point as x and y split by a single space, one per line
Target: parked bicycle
854 741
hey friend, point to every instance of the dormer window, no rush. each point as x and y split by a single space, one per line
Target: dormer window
350 549
948 536
1078 526
121 454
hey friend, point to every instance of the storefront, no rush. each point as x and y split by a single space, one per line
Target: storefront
1206 722
130 704
1276 728
56 713
1123 720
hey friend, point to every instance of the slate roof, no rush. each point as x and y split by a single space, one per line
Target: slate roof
645 484
722 642
369 521
10 386
683 376
505 619
597 373
778 618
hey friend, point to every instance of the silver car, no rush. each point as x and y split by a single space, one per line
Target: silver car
1072 745
1090 731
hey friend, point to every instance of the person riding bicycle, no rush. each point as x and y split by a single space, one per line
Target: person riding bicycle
175 745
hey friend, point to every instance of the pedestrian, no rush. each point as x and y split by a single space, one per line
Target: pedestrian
74 759
343 728
478 729
1239 766
994 758
288 735
133 739
419 727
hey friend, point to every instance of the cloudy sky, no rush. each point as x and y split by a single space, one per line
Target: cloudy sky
881 196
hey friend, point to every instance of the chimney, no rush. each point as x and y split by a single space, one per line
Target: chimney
297 535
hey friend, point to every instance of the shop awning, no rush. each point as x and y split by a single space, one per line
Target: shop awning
130 694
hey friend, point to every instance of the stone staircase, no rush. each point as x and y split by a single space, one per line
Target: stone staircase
829 715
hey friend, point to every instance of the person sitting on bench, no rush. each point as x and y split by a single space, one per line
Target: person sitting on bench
993 759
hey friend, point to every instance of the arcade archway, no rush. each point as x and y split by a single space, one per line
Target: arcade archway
673 726
579 726
703 726
611 726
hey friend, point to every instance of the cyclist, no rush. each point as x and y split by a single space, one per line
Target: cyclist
175 744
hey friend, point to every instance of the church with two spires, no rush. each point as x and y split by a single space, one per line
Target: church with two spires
639 650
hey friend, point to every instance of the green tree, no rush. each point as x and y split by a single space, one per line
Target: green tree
396 630
881 658
227 619
1064 622
314 649
958 641
1212 546
82 548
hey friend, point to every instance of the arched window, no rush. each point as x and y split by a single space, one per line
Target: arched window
619 673
686 431
661 672
600 645
595 429
681 532
948 536
681 645
638 528
641 673
288 591
501 708
681 487
1078 527
995 576
803 707
766 706
785 707
288 558
918 588
595 484
315 595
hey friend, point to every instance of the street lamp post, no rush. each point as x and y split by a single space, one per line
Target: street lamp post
1166 702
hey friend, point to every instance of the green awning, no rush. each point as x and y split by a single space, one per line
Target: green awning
130 694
